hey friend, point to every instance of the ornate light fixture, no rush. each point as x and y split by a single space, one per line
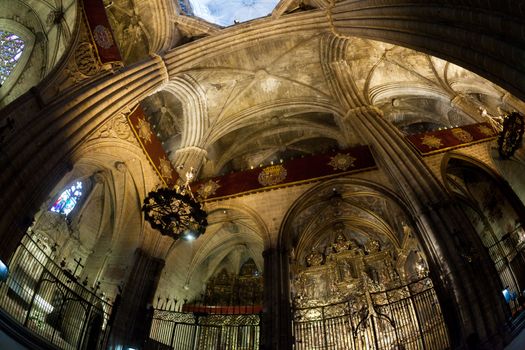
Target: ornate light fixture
176 212
509 139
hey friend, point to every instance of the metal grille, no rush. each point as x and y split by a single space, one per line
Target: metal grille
508 256
189 331
407 318
51 303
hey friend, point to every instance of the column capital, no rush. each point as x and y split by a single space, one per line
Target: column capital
513 102
468 106
163 69
192 149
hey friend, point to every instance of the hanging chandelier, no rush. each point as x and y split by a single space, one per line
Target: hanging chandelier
175 212
509 139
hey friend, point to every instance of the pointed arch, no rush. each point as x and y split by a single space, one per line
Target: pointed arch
193 98
28 39
476 165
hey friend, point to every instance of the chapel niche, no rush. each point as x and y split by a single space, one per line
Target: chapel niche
344 267
242 289
360 279
496 217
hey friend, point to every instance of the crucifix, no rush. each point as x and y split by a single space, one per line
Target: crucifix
78 261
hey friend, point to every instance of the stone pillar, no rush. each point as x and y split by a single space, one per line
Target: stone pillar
37 153
473 307
132 320
276 325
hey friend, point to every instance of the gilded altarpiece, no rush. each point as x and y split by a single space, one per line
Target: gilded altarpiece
227 316
365 296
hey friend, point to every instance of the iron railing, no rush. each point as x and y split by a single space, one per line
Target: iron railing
407 318
198 330
50 302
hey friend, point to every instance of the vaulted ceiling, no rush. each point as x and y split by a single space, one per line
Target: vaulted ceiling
272 99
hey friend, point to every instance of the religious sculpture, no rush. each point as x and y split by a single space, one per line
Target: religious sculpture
373 246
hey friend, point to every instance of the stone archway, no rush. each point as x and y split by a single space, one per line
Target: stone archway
496 213
358 275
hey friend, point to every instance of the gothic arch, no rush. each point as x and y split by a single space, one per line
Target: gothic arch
370 237
511 170
496 214
193 97
49 31
285 241
233 234
28 38
477 165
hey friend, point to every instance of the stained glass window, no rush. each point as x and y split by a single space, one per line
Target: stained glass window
68 199
185 7
11 47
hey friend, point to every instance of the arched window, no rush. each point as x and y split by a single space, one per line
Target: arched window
11 48
68 199
16 46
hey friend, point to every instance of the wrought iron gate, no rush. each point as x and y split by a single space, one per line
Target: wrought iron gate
51 302
191 331
407 318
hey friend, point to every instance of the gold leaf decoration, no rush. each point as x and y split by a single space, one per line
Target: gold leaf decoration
485 130
165 168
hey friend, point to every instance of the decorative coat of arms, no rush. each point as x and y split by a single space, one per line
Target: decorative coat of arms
462 135
342 161
103 36
272 175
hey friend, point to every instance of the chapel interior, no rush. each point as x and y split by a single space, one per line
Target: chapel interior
356 168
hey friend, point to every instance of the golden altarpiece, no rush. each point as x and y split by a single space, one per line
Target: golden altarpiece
365 294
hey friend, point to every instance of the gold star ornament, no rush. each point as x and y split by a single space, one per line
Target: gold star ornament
144 130
431 141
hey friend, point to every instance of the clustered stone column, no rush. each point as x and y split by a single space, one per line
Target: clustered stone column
472 306
132 318
189 159
276 322
473 309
